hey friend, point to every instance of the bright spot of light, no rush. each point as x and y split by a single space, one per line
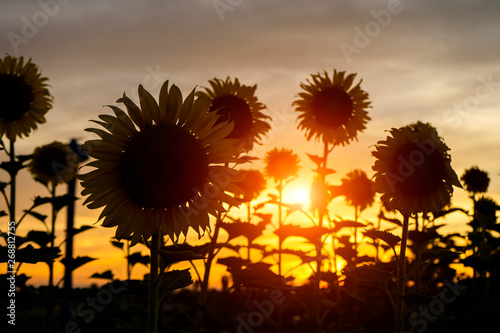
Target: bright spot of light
296 194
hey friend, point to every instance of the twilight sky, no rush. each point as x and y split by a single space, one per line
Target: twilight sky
433 61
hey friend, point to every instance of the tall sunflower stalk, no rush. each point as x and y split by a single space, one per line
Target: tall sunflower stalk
414 174
333 111
235 104
160 168
51 165
282 165
25 101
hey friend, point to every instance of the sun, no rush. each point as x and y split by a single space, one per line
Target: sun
296 194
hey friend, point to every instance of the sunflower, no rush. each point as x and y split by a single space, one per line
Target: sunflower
413 170
161 166
475 180
331 109
252 185
237 103
281 164
357 189
53 164
24 95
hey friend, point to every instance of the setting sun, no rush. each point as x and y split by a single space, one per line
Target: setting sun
297 194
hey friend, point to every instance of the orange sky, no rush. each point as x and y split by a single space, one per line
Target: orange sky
431 61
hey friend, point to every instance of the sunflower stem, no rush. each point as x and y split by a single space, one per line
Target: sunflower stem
12 207
318 245
204 284
249 215
127 244
154 283
280 241
52 233
401 275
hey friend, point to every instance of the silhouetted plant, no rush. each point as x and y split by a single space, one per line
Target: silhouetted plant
414 174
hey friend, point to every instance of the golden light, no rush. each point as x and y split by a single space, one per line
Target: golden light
297 193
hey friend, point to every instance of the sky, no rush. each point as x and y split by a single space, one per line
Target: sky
433 61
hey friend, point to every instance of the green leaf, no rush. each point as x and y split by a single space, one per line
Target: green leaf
58 202
30 255
24 158
391 220
12 168
138 258
438 254
448 211
368 273
347 224
420 238
391 239
198 249
316 159
117 244
171 257
79 230
107 275
175 279
74 263
36 215
41 238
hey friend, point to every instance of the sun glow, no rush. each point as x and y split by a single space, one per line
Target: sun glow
297 194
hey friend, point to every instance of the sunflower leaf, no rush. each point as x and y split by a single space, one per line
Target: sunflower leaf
175 279
368 273
12 168
138 258
24 158
73 263
117 244
386 236
30 255
36 215
41 238
171 257
316 159
107 275
79 230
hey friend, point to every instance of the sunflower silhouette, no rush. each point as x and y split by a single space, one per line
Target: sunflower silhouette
161 166
413 170
475 180
24 95
281 164
331 109
237 103
53 164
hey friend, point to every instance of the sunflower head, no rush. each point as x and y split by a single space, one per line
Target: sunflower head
332 109
53 164
281 164
358 189
485 211
237 103
252 185
475 180
162 165
24 95
413 170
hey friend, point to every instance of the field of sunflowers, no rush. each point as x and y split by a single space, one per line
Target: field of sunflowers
160 168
